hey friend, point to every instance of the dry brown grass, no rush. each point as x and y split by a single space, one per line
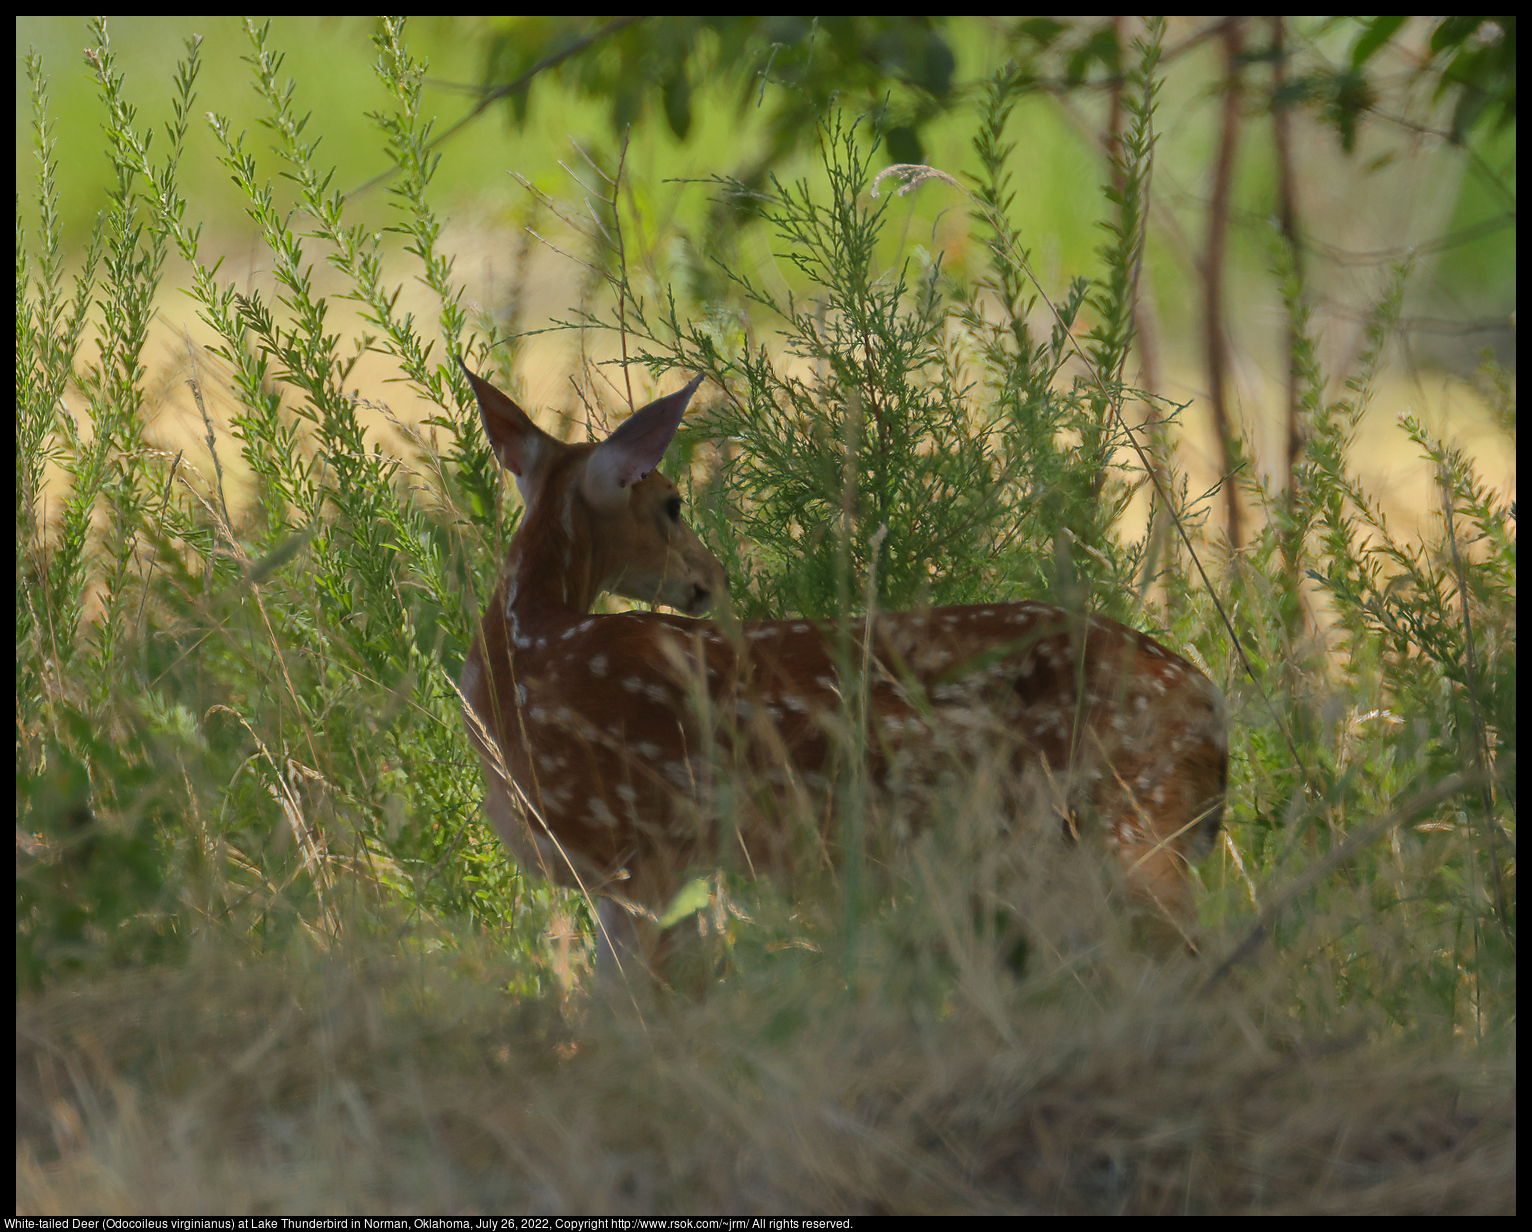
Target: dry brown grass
924 1079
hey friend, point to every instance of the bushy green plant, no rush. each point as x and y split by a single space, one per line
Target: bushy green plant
270 643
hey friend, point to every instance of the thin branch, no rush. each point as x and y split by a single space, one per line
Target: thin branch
1212 277
1443 790
521 83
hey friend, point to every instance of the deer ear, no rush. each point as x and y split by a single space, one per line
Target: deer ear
522 447
634 449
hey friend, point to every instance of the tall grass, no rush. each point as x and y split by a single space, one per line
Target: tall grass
239 750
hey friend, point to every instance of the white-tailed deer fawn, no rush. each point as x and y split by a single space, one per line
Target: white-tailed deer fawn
597 732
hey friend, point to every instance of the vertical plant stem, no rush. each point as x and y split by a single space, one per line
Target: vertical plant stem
1212 275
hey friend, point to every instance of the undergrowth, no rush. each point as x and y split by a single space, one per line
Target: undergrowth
239 747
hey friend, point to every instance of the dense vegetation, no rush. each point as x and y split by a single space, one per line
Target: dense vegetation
249 852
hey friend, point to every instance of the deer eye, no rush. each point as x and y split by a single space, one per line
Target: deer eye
673 508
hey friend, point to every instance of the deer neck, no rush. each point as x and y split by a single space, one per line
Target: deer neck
551 574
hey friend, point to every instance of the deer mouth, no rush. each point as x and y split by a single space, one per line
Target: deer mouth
698 601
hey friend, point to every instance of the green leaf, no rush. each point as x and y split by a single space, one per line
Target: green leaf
1041 30
1374 36
678 105
936 65
903 145
692 898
